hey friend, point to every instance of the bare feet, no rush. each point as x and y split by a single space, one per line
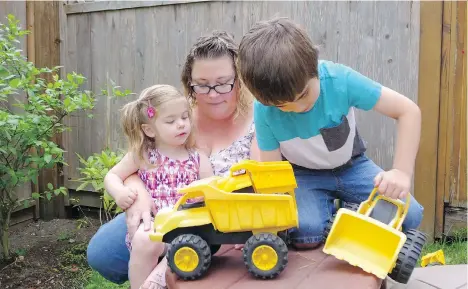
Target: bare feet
157 278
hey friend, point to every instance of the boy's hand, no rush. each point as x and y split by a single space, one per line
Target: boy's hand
125 198
394 184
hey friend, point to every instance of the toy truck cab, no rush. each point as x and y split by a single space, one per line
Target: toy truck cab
249 206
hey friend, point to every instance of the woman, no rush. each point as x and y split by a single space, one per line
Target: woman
223 116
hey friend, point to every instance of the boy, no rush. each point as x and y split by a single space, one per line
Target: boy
304 113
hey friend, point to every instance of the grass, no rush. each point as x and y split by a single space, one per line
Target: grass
454 248
96 281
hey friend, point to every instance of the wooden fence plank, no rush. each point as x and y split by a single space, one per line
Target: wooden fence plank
47 54
451 163
428 101
119 5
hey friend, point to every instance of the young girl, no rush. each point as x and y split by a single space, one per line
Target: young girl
161 149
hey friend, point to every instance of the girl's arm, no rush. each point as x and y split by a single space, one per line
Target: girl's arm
113 181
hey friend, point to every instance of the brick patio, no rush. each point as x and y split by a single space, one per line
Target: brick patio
306 269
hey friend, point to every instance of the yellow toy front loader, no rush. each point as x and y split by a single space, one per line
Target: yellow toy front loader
250 206
367 239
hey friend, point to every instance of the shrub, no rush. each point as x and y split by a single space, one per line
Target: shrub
31 113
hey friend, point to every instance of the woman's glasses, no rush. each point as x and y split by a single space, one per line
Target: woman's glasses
219 88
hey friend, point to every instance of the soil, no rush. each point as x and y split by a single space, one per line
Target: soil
48 254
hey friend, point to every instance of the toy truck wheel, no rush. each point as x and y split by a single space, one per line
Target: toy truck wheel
189 256
328 226
265 255
408 256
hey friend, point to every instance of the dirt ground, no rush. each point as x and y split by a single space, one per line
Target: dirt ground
48 254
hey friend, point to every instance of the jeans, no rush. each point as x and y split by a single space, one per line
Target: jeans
317 190
107 252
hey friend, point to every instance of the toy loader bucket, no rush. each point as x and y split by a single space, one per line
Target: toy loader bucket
365 242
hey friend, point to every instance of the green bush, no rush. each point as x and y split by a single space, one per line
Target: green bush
31 114
93 172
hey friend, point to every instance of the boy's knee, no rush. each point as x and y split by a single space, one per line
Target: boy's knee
414 216
306 246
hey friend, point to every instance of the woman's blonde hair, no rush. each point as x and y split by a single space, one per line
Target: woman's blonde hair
217 44
135 114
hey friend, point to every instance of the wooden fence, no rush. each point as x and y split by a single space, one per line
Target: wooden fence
452 158
398 43
143 46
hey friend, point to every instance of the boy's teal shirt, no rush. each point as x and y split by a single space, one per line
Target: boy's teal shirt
326 136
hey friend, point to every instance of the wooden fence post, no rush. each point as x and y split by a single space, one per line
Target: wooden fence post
45 14
428 100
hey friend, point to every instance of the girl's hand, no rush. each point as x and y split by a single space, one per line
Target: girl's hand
125 198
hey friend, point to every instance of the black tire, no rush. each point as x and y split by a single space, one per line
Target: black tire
275 243
214 249
408 256
328 227
202 250
329 224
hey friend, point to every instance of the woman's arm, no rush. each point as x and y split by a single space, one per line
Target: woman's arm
142 207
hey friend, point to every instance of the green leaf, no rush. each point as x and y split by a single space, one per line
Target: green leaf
15 82
14 178
7 135
50 186
67 102
26 203
49 196
82 186
35 196
47 158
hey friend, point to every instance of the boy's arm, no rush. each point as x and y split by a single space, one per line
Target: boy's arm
267 145
366 94
397 182
270 156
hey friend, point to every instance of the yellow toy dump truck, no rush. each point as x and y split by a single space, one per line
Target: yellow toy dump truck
250 206
372 238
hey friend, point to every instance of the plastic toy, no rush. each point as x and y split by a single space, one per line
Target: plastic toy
433 259
250 206
371 238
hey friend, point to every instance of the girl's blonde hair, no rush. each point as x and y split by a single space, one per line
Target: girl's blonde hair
135 113
217 44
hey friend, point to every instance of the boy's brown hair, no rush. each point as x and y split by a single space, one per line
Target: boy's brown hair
276 60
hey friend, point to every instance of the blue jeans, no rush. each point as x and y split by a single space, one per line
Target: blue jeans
352 183
107 252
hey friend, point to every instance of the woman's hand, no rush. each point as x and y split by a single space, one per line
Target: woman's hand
142 207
